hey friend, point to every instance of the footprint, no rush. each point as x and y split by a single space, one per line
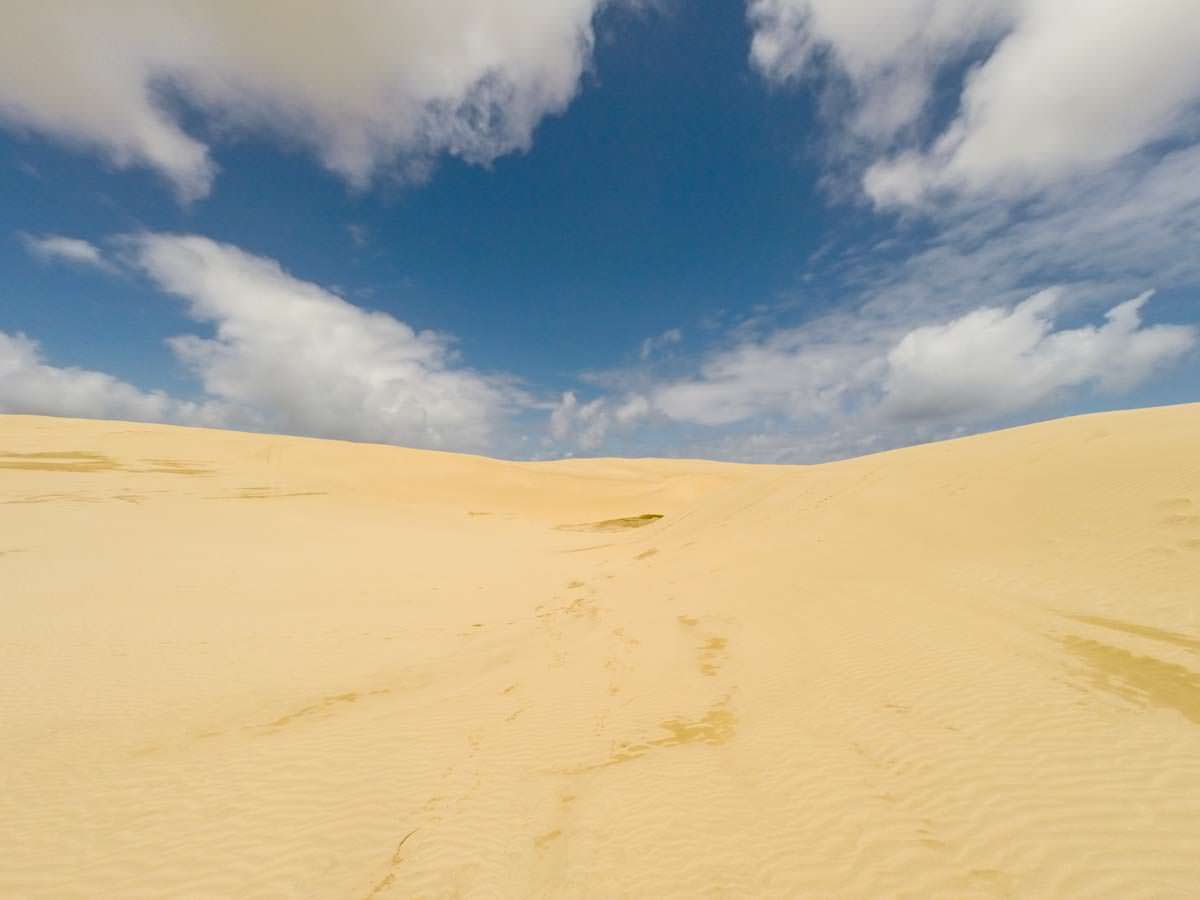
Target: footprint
712 654
1181 520
1176 504
580 608
712 651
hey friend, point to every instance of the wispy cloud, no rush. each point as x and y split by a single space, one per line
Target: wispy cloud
799 397
838 382
359 234
658 343
56 248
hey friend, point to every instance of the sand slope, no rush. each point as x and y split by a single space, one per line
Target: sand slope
247 666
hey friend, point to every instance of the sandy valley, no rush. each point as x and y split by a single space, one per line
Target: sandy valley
239 665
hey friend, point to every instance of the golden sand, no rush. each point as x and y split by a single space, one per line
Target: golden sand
247 666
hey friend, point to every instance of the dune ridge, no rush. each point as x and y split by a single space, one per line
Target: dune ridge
257 666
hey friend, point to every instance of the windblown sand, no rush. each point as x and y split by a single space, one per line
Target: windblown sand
247 666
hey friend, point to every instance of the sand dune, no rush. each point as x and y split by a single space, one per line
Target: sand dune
248 666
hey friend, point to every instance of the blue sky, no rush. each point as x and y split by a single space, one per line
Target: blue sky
790 231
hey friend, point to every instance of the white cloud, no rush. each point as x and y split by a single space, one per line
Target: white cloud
889 52
1068 87
993 362
583 424
56 248
359 234
622 403
631 409
855 381
366 85
289 356
796 373
587 425
652 345
561 417
29 385
285 356
1106 236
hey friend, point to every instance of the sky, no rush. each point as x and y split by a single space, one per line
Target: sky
766 231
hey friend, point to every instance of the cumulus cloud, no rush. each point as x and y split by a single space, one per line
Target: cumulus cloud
28 384
562 415
289 356
1065 88
846 383
285 356
365 85
583 424
56 248
587 425
993 362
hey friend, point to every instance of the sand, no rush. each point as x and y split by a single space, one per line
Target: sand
251 666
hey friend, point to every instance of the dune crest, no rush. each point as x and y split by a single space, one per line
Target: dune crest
257 666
